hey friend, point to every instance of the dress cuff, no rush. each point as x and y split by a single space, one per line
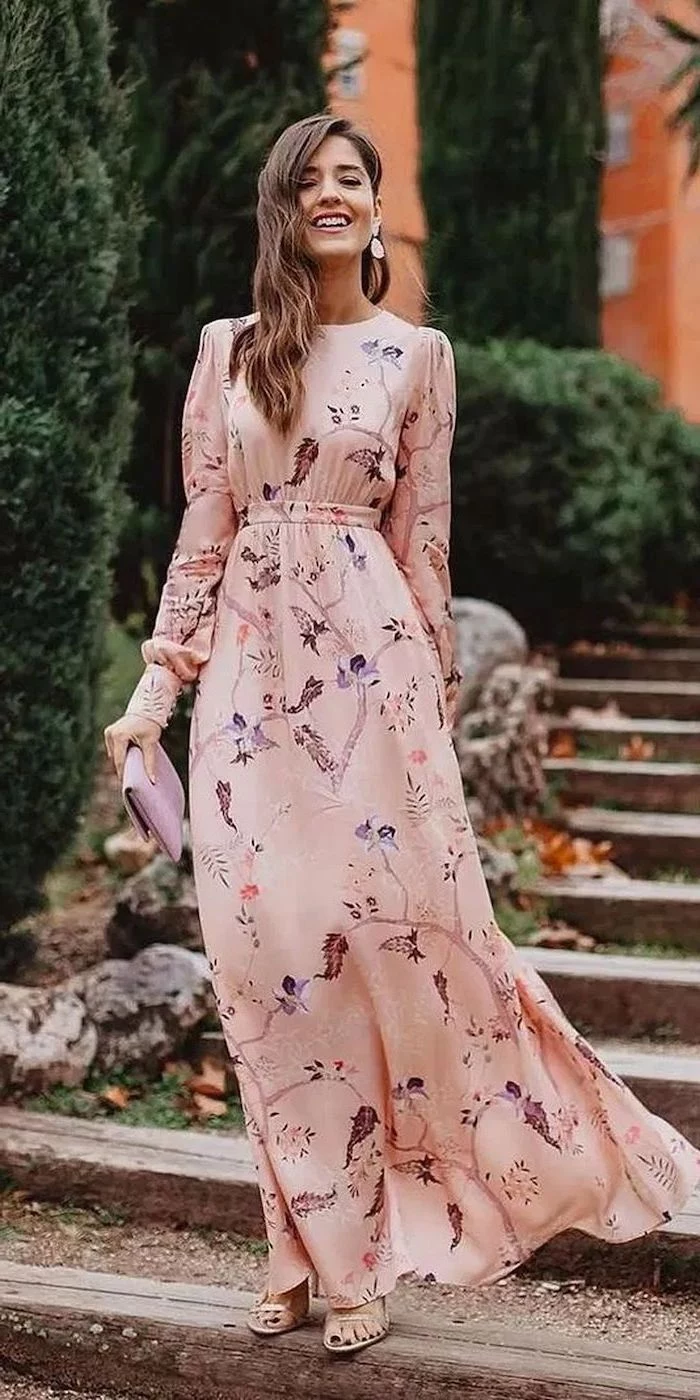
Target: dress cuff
156 694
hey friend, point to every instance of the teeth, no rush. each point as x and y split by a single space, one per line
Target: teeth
331 221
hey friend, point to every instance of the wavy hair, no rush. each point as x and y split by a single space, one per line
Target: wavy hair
273 350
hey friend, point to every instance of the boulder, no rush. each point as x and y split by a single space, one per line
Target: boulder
46 1037
500 744
144 1008
127 852
158 905
127 1015
487 636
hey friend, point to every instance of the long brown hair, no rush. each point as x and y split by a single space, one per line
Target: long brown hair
273 349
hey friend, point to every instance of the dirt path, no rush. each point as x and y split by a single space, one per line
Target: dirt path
46 1235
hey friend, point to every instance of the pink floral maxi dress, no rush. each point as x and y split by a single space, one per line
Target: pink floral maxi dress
414 1095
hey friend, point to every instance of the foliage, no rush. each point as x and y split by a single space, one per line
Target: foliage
207 101
512 124
687 76
575 491
67 253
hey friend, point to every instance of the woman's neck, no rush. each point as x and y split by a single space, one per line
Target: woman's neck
341 300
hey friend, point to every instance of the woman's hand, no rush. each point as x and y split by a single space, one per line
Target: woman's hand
133 729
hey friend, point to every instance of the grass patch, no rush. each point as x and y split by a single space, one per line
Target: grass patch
123 670
674 875
161 1103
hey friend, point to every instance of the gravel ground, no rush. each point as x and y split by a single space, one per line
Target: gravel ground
16 1388
46 1235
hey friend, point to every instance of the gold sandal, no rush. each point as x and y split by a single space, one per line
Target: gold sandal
341 1323
271 1316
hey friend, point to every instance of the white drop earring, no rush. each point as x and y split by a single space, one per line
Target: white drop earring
376 247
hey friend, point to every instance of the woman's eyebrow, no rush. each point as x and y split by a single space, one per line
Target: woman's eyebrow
313 169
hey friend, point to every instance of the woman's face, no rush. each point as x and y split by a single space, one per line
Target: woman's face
337 201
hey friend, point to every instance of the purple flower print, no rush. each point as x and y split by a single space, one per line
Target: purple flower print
413 1087
294 995
356 666
359 560
375 350
375 833
531 1110
248 737
270 493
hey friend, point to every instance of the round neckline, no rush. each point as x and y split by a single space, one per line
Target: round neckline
351 325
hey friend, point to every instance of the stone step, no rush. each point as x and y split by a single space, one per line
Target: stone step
208 1179
650 787
602 993
642 842
183 1340
673 740
647 664
648 699
621 910
651 634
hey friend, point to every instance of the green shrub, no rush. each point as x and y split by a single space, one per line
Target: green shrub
67 252
575 491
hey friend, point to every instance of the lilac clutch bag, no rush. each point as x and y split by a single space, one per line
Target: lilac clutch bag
155 809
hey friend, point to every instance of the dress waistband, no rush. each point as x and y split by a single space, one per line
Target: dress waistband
308 512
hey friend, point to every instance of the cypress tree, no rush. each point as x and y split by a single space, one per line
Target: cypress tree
210 93
67 257
512 139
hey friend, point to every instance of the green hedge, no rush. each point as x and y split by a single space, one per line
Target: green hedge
67 254
575 492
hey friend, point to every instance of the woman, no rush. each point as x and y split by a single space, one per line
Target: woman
414 1096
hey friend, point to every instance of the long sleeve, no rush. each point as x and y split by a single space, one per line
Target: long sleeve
182 636
416 523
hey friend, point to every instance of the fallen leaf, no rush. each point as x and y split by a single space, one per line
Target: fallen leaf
563 936
207 1107
637 749
115 1095
562 743
211 1081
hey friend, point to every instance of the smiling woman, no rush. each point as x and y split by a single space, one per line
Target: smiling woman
414 1096
320 260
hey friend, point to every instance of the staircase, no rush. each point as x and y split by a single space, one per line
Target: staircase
153 1339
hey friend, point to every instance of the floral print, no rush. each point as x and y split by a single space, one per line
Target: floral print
414 1096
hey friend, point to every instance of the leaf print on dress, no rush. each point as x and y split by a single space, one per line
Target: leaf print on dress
310 628
421 1168
406 943
370 460
456 1220
311 1202
335 948
304 458
363 1125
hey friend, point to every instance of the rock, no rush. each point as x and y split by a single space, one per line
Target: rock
46 1038
144 1008
128 1015
501 743
159 905
127 852
487 636
500 868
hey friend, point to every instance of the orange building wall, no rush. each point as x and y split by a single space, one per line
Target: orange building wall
655 322
386 108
